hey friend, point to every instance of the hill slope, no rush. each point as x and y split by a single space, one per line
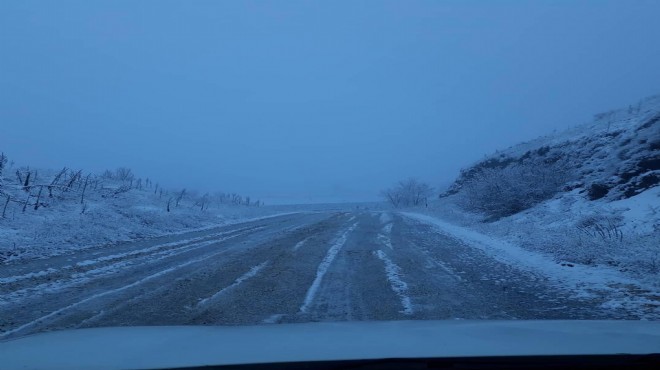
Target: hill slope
614 157
588 195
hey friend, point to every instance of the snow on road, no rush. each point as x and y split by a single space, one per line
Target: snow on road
394 276
348 269
325 264
584 281
75 278
106 293
250 274
301 243
384 235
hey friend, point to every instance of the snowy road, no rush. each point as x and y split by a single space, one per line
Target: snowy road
290 268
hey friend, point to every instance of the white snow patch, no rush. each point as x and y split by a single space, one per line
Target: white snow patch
583 280
105 293
185 243
385 240
385 218
431 263
323 267
250 274
399 286
641 212
301 243
30 275
79 278
384 237
236 221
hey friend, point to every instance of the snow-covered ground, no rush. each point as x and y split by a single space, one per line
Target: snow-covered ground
609 211
563 228
105 211
625 289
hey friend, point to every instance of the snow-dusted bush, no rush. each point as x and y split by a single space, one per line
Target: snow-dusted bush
50 212
605 227
500 192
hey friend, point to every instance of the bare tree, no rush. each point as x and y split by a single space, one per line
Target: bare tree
408 193
392 195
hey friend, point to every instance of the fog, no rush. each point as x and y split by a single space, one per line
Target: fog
309 101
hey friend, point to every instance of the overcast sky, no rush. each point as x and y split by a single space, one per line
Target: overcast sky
306 100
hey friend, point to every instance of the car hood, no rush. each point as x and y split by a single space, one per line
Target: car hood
163 347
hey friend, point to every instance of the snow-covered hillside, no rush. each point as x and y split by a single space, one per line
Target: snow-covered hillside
48 212
616 156
605 208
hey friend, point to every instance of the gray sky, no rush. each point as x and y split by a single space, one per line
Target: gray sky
309 101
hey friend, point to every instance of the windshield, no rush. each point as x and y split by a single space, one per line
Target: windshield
268 163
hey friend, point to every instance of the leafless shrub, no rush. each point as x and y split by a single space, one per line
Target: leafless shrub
607 228
501 192
107 174
124 174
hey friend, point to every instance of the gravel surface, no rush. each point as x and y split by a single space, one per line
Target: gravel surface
324 266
